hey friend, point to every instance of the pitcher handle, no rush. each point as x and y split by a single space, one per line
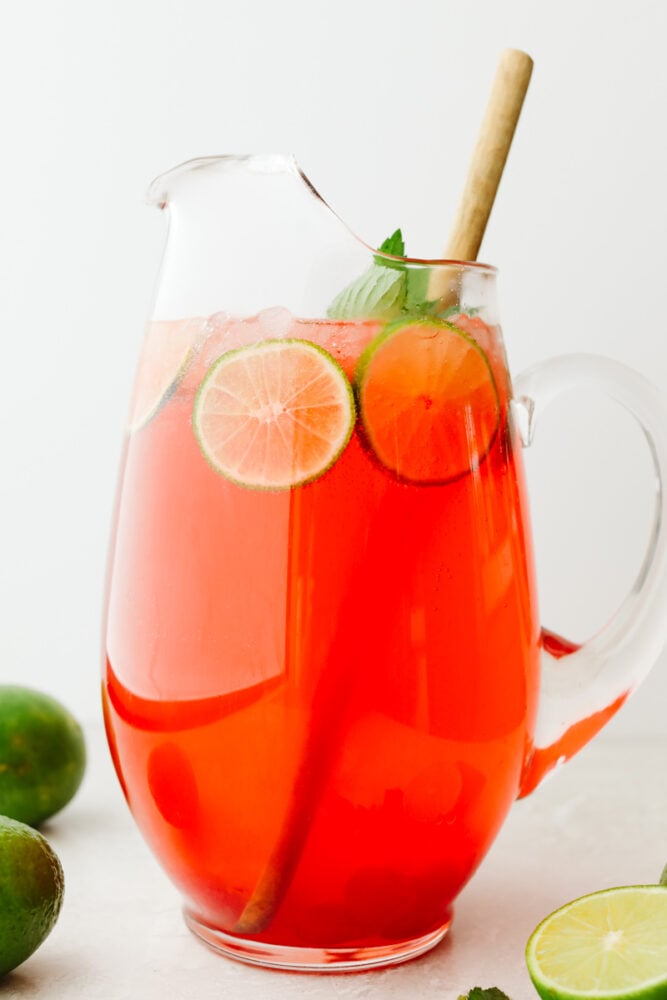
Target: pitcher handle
583 686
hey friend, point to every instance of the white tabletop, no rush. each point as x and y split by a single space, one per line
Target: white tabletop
601 821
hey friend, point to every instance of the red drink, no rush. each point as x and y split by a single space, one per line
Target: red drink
319 699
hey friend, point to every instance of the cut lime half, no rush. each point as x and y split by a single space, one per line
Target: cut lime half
275 414
610 945
428 400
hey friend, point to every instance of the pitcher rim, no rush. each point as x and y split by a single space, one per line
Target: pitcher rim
156 195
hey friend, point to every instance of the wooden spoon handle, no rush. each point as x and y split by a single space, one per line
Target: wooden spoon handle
495 138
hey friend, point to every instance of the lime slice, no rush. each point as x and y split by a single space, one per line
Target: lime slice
165 354
428 400
274 414
610 945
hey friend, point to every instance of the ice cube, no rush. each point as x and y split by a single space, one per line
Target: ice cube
275 322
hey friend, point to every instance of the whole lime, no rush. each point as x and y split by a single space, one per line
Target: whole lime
31 891
42 755
608 945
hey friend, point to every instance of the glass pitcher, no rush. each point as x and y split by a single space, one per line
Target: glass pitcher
325 679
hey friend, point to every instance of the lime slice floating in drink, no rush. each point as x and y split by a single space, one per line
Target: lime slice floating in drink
274 414
610 945
166 352
428 400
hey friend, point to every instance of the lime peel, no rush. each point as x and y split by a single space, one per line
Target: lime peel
42 754
167 351
31 892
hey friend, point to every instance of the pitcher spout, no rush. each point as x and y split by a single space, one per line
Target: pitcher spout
163 187
249 231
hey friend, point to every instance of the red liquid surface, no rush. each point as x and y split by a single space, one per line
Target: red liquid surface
319 701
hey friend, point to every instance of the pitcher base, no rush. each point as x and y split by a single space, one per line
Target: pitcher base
295 959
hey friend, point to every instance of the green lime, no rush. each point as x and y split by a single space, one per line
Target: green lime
274 414
166 352
610 945
42 755
428 400
31 892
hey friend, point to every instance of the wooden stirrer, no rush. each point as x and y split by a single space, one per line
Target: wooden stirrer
488 160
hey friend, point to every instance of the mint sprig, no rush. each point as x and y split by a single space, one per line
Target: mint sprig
477 993
377 294
389 289
380 292
395 245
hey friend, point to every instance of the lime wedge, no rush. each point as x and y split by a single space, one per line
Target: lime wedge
275 414
428 400
610 945
165 354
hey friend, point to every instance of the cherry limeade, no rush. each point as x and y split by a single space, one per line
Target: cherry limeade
319 699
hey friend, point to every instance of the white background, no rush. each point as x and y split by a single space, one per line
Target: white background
380 100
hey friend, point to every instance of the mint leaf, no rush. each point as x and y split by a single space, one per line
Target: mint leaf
477 993
416 293
395 245
457 309
377 294
663 877
388 290
380 292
